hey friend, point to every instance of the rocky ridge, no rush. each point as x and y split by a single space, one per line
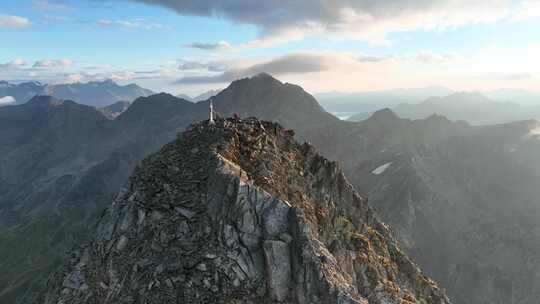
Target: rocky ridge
238 212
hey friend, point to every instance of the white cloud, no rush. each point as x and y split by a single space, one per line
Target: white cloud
431 57
48 19
527 9
221 45
6 100
80 76
122 75
213 66
48 5
509 76
129 24
13 64
7 21
46 63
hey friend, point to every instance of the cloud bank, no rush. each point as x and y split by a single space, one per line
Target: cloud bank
368 20
13 64
296 63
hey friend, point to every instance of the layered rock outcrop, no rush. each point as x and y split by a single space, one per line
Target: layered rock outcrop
238 212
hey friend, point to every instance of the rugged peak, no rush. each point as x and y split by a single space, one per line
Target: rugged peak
264 75
384 114
383 117
267 98
154 108
114 110
261 79
46 101
105 82
32 84
158 100
461 99
238 212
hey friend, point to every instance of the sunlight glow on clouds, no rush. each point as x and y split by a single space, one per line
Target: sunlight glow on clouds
15 63
7 21
528 9
364 20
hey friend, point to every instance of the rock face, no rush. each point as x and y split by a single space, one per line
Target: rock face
462 200
241 213
114 110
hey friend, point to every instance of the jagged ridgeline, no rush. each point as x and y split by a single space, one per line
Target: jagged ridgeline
239 212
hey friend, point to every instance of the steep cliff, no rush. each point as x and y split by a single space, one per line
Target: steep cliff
238 212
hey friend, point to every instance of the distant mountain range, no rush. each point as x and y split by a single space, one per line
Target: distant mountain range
347 104
462 199
95 93
472 107
200 97
363 104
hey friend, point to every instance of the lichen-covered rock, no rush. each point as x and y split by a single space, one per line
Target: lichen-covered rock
238 212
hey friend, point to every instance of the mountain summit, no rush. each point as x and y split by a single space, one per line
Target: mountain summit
238 212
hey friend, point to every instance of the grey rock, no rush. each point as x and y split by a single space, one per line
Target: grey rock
260 236
278 269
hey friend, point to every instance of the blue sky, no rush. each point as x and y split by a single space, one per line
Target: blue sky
191 46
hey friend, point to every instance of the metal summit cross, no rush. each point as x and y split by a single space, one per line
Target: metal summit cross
211 121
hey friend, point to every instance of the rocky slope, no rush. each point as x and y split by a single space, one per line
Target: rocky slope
463 200
238 212
114 110
62 196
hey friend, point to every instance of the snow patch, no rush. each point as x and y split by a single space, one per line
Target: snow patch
533 134
381 169
6 100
